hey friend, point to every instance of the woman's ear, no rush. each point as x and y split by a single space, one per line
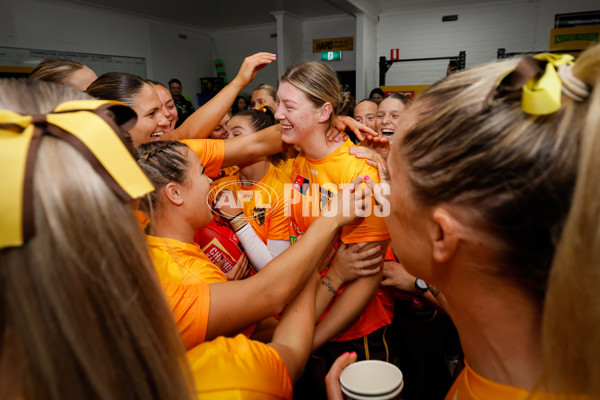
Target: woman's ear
444 235
173 193
325 112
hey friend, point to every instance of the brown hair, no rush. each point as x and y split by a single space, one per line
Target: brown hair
54 70
271 90
163 162
121 86
262 120
407 101
83 314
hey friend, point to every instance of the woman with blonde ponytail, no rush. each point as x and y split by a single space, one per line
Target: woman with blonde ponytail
82 312
494 196
571 322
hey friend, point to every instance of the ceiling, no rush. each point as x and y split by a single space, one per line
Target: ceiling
216 15
226 14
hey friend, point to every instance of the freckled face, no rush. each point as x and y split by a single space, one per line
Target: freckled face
297 115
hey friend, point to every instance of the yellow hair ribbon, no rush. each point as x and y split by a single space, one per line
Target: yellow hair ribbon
262 107
85 125
538 79
542 95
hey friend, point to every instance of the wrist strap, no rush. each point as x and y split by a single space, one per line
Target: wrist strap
232 218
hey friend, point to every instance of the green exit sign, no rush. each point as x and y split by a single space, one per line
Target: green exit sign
331 55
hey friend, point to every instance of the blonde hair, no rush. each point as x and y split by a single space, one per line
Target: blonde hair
571 322
83 314
319 83
515 172
271 90
54 70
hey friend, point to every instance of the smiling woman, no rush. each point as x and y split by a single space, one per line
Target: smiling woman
356 318
168 107
140 96
389 112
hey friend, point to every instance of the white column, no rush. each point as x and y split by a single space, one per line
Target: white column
289 40
366 55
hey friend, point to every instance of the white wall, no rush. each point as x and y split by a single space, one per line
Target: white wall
185 59
78 28
480 30
235 45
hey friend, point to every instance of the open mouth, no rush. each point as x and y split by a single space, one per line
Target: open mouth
156 136
387 133
286 127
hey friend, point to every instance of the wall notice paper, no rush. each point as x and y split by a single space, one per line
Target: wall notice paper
14 59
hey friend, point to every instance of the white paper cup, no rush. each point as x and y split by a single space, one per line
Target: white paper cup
371 380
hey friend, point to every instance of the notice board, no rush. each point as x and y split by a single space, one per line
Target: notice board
21 61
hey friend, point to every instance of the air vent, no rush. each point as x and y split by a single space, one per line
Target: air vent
447 18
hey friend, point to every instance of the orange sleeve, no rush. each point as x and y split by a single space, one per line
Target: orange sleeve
211 153
188 296
367 229
239 368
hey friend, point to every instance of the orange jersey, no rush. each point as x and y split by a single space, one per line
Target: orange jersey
142 218
211 153
314 182
264 203
469 385
389 254
239 368
286 166
185 273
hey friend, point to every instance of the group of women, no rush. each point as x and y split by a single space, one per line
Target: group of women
486 195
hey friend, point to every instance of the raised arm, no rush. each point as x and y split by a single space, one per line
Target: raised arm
293 336
203 121
245 149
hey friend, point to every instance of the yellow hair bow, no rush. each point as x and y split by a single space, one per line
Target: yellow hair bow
85 125
538 79
262 107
